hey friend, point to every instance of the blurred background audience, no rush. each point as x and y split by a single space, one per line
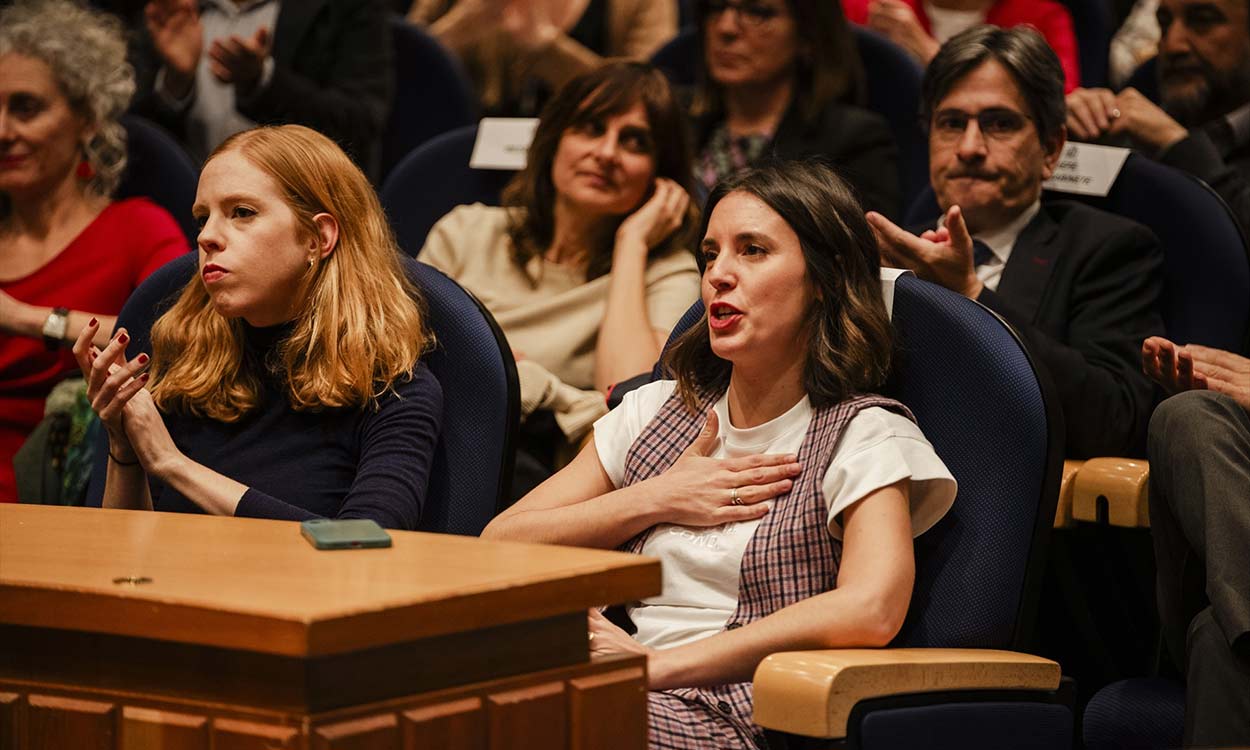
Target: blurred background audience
782 78
922 26
210 69
519 52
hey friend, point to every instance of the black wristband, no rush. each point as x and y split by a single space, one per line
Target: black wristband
120 462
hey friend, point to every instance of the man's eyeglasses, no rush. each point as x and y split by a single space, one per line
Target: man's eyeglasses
750 14
995 123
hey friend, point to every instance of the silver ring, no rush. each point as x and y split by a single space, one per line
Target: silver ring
733 497
1115 113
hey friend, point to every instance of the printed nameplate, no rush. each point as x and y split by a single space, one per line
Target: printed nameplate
502 142
1087 169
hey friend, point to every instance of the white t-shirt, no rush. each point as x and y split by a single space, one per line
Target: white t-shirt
700 566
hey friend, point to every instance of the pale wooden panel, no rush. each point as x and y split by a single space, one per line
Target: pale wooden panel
531 717
274 593
12 721
379 732
152 729
1063 509
608 711
812 692
232 734
458 724
56 723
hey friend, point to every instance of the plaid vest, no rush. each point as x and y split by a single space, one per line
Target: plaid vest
791 555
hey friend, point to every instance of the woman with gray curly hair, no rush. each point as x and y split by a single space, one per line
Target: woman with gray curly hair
67 252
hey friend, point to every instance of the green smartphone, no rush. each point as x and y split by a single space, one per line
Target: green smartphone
355 533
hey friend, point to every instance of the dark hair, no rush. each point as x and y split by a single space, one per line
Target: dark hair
851 340
1026 56
604 92
827 67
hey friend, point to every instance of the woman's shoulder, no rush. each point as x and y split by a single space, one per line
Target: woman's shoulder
139 213
679 260
422 393
476 217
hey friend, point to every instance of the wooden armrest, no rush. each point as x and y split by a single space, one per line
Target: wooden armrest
1063 510
1124 482
811 693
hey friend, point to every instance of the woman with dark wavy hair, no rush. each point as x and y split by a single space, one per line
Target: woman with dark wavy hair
588 265
779 492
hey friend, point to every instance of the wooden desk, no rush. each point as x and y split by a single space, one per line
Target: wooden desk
124 629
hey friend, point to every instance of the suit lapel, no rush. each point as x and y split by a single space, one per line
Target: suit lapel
294 18
1031 263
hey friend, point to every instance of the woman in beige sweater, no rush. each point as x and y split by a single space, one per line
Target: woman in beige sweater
516 50
589 264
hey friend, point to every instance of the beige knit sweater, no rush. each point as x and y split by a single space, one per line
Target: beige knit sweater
551 324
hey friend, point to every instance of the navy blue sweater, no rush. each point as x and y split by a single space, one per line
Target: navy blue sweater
340 463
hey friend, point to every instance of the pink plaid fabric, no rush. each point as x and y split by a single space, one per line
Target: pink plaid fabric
790 557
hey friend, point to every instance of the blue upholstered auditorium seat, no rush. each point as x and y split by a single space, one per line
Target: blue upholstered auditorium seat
433 93
1094 27
1139 714
976 395
159 169
472 467
434 179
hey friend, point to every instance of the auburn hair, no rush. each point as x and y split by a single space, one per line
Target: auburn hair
360 328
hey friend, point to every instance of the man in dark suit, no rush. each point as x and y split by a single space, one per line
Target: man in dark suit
1080 285
210 69
1202 123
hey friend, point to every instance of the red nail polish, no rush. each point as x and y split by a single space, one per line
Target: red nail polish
93 323
143 359
123 337
143 378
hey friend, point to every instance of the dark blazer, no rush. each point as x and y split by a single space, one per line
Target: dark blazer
856 142
333 71
1082 289
1225 167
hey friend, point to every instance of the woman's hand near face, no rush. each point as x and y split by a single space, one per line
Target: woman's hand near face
656 219
699 491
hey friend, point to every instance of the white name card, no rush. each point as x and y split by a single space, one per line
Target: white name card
1087 169
502 142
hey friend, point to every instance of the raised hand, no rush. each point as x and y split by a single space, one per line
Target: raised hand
897 22
701 491
1223 372
112 382
240 61
178 36
657 218
943 256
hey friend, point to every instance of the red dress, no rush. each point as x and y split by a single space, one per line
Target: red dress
95 273
1047 16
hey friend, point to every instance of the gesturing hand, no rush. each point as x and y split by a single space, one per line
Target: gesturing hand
658 218
700 491
943 256
1194 367
897 22
115 388
240 61
177 34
